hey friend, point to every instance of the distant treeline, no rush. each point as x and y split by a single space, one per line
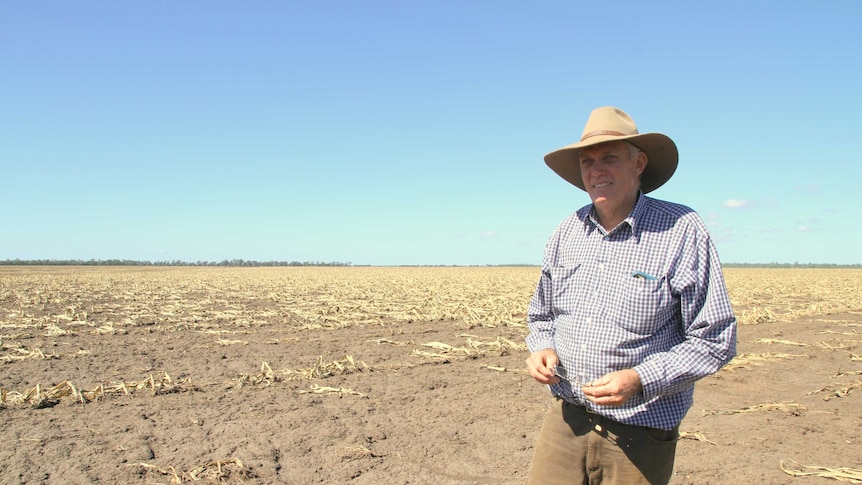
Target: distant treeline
242 262
791 265
129 262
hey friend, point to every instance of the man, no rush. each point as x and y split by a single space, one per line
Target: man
630 310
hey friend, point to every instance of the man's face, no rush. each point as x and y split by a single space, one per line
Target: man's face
611 174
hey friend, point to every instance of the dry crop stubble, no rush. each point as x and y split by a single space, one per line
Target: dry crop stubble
196 298
761 295
57 326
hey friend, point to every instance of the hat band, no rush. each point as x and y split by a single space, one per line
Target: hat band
604 132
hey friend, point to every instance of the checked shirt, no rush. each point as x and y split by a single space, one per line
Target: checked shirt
648 295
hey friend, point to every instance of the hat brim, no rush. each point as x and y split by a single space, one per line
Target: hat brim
662 159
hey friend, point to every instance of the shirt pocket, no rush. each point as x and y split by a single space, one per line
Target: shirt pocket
565 288
640 305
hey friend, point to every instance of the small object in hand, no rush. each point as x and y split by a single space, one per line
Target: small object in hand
560 372
563 374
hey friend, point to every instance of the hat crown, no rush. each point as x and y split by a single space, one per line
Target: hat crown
609 121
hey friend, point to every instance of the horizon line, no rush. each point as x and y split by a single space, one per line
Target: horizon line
237 262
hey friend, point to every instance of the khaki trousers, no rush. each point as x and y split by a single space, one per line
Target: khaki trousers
579 447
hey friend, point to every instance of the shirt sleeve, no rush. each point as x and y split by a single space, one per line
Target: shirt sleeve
707 319
540 316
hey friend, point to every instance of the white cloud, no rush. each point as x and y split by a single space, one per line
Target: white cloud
804 229
810 188
712 220
735 203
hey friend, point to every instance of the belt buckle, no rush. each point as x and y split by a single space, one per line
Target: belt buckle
597 425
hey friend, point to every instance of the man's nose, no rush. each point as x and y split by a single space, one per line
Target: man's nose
600 168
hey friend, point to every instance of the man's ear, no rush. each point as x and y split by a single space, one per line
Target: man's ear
641 162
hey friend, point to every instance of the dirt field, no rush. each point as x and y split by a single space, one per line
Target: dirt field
379 376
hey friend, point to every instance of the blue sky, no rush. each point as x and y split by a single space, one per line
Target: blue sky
413 133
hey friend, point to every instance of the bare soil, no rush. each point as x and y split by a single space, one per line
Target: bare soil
400 417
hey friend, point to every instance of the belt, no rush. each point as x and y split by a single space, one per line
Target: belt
600 423
577 405
596 420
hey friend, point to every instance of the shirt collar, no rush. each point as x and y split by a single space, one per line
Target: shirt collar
592 220
636 217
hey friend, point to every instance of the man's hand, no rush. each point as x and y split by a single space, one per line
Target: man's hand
614 389
541 366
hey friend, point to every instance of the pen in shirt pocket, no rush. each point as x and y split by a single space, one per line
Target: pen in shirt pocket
640 275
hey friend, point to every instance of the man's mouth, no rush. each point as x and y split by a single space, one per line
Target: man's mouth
600 185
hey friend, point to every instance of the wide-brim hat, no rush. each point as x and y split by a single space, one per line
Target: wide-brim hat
613 124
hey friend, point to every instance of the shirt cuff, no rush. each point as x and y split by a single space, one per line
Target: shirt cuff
651 378
535 344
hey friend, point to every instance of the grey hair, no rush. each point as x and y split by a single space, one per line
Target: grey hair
633 154
633 150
